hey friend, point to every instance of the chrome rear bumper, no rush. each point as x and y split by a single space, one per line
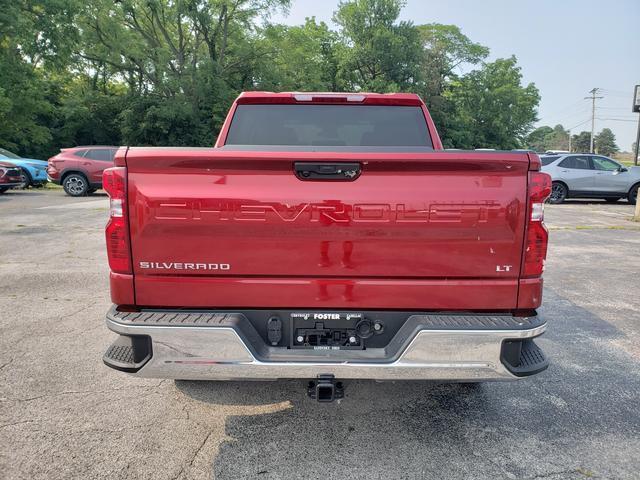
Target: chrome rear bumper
219 351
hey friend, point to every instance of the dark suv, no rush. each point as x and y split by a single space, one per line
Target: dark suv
79 169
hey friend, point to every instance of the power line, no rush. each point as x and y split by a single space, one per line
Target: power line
574 114
616 120
618 115
617 95
619 92
567 107
581 123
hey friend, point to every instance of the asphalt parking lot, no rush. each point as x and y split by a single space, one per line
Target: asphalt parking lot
63 414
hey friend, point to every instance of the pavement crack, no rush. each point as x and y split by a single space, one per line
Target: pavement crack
16 423
206 439
6 364
86 392
585 473
185 410
179 474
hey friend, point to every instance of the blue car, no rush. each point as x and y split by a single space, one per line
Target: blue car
34 171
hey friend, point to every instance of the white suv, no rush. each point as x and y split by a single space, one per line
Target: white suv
584 175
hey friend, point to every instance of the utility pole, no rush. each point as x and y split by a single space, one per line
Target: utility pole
636 215
569 141
636 109
593 99
635 153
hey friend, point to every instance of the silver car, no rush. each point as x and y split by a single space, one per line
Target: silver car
583 175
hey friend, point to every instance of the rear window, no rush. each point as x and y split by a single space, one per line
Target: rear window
549 159
101 154
579 163
329 126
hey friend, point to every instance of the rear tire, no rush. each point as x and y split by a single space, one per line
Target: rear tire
75 185
611 200
633 194
559 192
3 189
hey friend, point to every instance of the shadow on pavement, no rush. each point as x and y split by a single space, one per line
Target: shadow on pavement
576 417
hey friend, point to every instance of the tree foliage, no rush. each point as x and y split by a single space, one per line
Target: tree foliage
546 138
378 53
493 109
302 57
605 142
164 72
581 142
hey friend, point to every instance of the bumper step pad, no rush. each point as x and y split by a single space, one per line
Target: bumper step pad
531 360
128 353
121 353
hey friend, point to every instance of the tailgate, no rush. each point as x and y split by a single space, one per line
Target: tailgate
204 223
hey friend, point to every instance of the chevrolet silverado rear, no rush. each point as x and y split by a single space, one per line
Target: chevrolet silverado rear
326 236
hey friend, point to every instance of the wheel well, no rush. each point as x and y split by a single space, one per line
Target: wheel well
637 184
26 173
69 172
562 183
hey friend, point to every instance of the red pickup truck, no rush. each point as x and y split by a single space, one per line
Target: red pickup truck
326 236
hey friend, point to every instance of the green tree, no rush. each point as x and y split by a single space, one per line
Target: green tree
36 37
538 139
25 107
605 142
299 58
445 48
581 142
493 108
88 116
158 72
379 53
183 62
558 139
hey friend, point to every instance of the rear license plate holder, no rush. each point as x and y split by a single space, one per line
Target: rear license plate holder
325 330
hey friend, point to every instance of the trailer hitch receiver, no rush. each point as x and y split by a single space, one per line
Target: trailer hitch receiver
325 388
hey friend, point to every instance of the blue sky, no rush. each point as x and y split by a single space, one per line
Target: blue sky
565 47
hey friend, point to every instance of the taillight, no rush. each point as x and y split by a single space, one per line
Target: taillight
537 236
117 233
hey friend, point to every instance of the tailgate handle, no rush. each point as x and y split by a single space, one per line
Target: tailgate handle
327 171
